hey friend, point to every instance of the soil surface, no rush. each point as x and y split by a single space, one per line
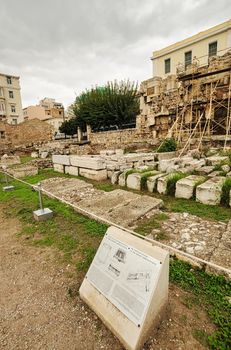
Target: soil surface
40 307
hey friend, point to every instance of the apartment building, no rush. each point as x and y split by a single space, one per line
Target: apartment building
10 99
34 112
197 49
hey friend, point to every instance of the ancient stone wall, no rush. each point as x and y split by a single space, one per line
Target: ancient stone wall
26 133
120 138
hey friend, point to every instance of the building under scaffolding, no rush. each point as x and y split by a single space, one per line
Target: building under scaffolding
192 105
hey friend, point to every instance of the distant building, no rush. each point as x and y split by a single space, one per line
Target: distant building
10 99
215 41
47 110
34 112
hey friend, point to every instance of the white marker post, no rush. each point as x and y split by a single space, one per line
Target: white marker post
8 187
42 214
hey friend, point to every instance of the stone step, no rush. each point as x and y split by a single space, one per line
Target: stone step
185 186
210 191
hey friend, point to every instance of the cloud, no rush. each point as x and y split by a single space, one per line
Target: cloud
61 47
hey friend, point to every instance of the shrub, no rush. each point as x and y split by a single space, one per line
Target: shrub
169 145
171 183
225 192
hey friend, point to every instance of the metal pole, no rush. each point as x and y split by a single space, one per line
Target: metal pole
6 179
40 196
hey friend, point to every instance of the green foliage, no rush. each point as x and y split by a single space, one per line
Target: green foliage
171 182
168 145
69 127
226 188
212 293
114 104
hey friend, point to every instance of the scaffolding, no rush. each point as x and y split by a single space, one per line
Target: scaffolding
204 112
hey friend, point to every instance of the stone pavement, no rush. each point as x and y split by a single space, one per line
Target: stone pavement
209 240
121 207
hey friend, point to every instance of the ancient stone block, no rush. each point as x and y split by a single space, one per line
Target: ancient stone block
10 160
61 159
92 174
165 163
122 179
216 160
162 184
210 191
88 162
115 177
59 168
23 171
71 170
166 155
205 170
152 182
134 181
185 186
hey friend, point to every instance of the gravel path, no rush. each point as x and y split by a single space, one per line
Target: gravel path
40 308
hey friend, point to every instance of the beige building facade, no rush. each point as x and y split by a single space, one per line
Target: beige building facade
197 49
47 110
10 99
34 112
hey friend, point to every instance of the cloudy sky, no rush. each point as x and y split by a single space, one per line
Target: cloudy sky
61 47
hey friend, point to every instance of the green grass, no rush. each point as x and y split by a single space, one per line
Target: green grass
226 188
69 232
77 238
146 226
211 293
26 159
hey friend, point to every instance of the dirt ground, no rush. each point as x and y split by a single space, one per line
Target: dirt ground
40 307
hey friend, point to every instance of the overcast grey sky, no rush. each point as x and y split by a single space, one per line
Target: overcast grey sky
61 47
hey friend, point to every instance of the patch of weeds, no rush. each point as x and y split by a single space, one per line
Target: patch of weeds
26 159
94 228
211 212
211 293
88 256
226 188
106 187
45 242
67 243
168 145
171 182
146 226
201 336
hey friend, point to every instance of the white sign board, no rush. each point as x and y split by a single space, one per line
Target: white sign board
126 276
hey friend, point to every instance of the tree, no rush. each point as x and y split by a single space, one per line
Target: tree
69 127
113 105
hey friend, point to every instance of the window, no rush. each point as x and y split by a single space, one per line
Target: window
13 109
9 81
11 94
167 65
213 49
2 107
2 134
60 112
14 121
187 58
